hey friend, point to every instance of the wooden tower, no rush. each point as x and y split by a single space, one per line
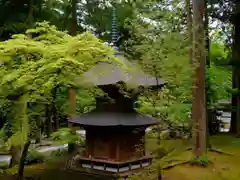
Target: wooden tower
115 132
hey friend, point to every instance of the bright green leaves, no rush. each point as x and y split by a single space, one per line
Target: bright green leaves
65 135
35 63
46 57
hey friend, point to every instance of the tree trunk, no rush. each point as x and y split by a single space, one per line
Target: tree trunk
235 124
54 109
189 24
198 89
238 102
159 171
207 48
30 13
48 121
15 152
22 160
74 18
39 131
235 119
206 27
72 103
72 91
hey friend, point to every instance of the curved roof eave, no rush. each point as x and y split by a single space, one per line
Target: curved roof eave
106 73
113 119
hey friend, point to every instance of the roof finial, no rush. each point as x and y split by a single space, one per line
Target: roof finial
114 27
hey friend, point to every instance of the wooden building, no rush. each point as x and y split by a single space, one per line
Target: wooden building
115 132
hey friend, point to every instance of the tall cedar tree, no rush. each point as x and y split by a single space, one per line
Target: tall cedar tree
198 84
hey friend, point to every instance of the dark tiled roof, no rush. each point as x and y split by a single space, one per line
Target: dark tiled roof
107 73
113 119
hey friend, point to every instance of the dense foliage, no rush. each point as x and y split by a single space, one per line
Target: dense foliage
42 63
169 61
219 75
35 63
161 46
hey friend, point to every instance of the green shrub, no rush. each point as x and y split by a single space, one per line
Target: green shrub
200 161
58 153
3 147
34 157
151 134
65 135
4 165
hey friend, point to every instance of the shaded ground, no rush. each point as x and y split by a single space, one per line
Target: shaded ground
52 170
224 167
47 146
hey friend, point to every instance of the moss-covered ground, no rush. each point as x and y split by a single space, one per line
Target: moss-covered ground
222 166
